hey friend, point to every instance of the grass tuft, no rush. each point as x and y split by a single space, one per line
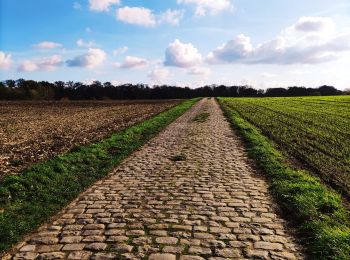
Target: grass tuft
322 220
178 158
30 198
201 118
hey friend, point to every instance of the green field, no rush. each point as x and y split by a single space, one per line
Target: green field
314 130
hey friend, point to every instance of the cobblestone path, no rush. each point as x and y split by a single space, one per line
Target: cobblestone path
189 194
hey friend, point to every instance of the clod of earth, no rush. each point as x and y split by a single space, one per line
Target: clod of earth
179 157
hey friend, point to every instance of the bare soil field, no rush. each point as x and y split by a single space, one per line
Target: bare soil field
35 131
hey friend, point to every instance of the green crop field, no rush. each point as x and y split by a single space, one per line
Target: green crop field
314 130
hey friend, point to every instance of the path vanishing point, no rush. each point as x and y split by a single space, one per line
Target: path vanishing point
210 205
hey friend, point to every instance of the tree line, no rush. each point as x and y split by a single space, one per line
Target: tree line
42 90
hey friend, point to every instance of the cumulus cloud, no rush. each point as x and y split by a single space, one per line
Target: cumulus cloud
82 43
203 7
136 15
120 50
132 62
312 24
45 64
287 47
158 75
171 16
47 45
203 71
102 5
50 63
182 55
27 66
91 59
238 48
5 60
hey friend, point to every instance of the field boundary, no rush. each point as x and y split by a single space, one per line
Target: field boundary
323 223
30 198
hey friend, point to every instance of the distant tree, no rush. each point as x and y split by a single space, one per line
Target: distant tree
248 92
260 93
29 89
3 91
221 91
59 90
276 92
297 91
328 91
69 84
10 83
20 83
107 85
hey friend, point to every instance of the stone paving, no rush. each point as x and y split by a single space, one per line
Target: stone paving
189 194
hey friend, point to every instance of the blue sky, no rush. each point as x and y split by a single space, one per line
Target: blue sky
268 43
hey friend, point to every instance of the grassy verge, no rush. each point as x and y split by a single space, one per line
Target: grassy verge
28 199
320 217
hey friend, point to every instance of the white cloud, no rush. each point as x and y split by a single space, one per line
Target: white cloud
171 16
136 15
158 75
91 59
89 81
47 45
76 5
312 24
237 48
132 62
82 43
200 71
45 64
102 5
117 82
267 75
5 60
120 50
50 63
183 55
298 47
27 66
212 7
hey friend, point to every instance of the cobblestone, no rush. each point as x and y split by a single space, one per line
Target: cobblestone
210 205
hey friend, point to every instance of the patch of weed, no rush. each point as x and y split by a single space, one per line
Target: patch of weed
201 117
178 158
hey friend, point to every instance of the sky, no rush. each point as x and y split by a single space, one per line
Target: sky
263 44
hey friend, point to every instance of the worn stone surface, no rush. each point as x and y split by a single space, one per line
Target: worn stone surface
209 205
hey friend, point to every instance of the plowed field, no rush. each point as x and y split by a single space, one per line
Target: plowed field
36 131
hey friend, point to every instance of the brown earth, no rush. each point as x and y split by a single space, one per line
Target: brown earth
31 132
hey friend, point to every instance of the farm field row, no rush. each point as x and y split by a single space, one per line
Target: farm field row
32 131
314 130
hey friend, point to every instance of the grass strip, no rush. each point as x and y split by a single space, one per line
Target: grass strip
320 217
30 198
201 118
